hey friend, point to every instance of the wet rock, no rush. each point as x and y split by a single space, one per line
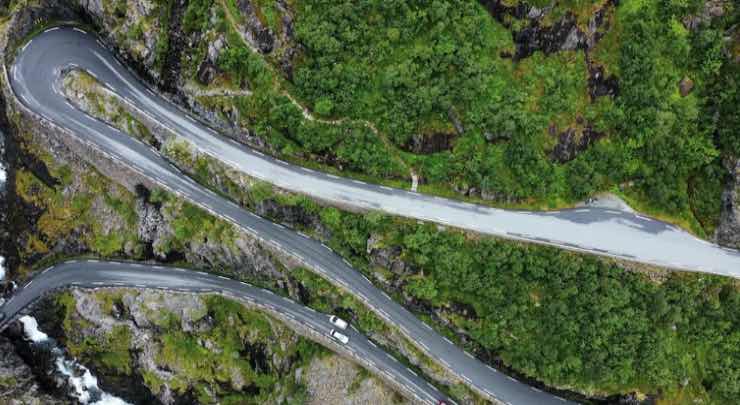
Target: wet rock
151 222
287 44
255 32
18 384
600 84
294 215
563 35
571 143
574 39
386 257
499 10
712 9
685 86
728 231
430 143
142 49
208 68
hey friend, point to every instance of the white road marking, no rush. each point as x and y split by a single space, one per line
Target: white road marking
79 30
52 29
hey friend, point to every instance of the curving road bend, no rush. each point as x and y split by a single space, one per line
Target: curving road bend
598 231
594 230
94 274
35 78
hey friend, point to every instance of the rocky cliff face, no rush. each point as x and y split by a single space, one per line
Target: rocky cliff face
728 231
18 384
175 348
135 26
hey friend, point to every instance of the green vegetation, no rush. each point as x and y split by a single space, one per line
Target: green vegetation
242 362
565 319
568 320
109 351
74 206
572 320
378 74
100 103
164 7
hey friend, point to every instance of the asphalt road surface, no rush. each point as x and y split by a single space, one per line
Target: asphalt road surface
35 78
95 274
598 231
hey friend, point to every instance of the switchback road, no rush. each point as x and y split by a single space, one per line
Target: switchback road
94 274
600 231
35 78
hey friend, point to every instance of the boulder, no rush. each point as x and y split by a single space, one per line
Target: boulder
255 32
387 257
685 86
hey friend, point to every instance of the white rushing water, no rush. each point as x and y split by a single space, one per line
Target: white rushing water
3 175
31 329
2 268
85 385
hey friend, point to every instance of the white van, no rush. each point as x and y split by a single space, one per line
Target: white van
338 322
338 336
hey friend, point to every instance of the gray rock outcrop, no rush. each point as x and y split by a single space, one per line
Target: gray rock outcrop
728 231
18 385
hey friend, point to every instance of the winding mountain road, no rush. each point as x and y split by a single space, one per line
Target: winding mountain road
598 231
35 78
95 274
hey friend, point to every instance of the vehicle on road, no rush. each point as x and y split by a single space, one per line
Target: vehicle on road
338 322
339 336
